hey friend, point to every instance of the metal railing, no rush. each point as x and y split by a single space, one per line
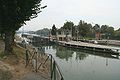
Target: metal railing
55 72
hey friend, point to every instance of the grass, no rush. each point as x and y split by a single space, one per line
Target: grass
5 75
2 54
19 52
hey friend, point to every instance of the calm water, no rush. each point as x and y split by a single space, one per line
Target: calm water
84 65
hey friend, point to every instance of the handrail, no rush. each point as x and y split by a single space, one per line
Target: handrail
54 67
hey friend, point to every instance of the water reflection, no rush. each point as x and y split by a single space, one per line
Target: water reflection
66 53
79 64
81 56
62 53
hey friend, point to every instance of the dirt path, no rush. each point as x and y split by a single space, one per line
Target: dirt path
33 76
18 71
13 68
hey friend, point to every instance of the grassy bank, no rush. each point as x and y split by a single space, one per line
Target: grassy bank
11 66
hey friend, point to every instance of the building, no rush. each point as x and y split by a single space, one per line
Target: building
64 35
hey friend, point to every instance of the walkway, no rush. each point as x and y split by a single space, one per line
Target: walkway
33 76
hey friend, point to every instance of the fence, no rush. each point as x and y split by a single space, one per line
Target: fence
33 58
55 70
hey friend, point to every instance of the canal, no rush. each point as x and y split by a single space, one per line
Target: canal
85 65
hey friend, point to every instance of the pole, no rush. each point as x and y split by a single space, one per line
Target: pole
51 66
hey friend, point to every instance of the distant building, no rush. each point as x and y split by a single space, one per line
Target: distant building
64 35
98 35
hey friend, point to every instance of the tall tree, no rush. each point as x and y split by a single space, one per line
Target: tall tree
54 30
69 27
110 32
107 31
84 28
13 14
104 28
97 28
97 31
117 34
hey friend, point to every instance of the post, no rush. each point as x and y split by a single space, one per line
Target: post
36 61
51 66
27 58
54 70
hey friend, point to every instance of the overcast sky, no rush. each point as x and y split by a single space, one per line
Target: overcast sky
91 11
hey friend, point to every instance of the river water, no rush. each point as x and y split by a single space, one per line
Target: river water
78 64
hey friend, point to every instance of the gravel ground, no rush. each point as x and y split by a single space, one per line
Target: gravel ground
33 76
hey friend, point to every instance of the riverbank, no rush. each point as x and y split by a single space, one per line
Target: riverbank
12 67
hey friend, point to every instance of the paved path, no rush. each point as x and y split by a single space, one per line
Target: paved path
33 76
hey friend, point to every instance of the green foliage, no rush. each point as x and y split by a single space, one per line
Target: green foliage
107 31
54 30
2 54
104 28
5 75
85 29
96 28
68 25
14 13
117 34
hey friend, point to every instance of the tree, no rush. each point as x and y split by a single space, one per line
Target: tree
54 30
13 15
90 32
69 26
74 31
1 32
104 28
107 31
97 31
97 28
84 28
110 32
117 34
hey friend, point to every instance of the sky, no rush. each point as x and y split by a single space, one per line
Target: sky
92 11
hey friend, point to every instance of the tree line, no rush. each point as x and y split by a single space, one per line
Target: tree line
87 30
